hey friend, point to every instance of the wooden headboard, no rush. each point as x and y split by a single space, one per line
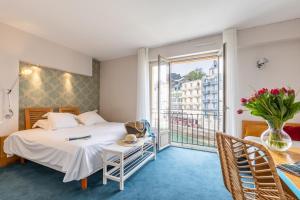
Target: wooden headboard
73 110
32 115
255 128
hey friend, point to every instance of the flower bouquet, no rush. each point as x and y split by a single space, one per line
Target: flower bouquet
276 106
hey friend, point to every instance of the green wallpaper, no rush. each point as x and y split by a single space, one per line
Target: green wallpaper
47 87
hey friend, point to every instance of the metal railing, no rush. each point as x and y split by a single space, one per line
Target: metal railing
189 128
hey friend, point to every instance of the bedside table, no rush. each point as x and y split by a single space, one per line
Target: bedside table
4 160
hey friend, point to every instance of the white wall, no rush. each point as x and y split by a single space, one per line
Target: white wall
118 77
282 31
280 44
199 45
118 89
17 45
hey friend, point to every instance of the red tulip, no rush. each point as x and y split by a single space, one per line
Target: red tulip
240 111
275 91
244 101
291 92
252 99
262 91
284 90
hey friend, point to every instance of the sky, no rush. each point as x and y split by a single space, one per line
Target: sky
185 68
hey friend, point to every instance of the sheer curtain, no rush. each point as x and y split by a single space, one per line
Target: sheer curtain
230 39
143 93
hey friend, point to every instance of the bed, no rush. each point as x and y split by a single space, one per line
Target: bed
77 159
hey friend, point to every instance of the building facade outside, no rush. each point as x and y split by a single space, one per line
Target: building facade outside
190 105
198 96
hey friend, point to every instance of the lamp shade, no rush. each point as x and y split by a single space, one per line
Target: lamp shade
26 71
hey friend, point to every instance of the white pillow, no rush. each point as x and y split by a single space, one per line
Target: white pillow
42 123
90 118
45 115
62 120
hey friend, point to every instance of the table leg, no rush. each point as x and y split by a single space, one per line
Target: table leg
104 168
154 148
122 172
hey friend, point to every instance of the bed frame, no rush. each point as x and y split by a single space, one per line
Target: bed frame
246 124
32 115
73 110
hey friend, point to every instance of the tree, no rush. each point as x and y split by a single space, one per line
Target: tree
175 76
195 75
176 80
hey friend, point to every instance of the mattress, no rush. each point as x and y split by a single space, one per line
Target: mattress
77 158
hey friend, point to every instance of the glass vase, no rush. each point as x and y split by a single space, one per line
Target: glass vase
275 138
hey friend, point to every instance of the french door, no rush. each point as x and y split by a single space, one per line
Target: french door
187 100
160 98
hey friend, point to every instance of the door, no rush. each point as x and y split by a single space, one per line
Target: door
222 68
187 100
163 102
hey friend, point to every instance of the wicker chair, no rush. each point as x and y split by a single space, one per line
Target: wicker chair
248 170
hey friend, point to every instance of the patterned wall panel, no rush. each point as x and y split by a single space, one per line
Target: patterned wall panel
47 87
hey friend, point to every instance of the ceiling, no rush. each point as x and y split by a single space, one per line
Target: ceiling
107 29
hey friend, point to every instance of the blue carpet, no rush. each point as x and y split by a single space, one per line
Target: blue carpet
176 174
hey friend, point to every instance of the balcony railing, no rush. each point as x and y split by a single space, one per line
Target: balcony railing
191 128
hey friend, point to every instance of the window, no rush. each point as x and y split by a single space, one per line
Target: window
194 88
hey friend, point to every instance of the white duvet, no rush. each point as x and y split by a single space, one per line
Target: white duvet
77 159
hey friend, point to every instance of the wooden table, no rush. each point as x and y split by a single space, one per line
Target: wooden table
291 156
292 182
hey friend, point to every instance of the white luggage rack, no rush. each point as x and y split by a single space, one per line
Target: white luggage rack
126 160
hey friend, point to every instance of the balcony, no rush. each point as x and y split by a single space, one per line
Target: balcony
210 83
191 128
206 84
207 92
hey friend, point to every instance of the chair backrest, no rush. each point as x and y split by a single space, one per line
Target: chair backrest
248 169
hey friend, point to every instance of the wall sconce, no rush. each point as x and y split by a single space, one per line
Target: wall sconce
261 62
68 82
24 72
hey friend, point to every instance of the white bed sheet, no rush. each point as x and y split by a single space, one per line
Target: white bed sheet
77 159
